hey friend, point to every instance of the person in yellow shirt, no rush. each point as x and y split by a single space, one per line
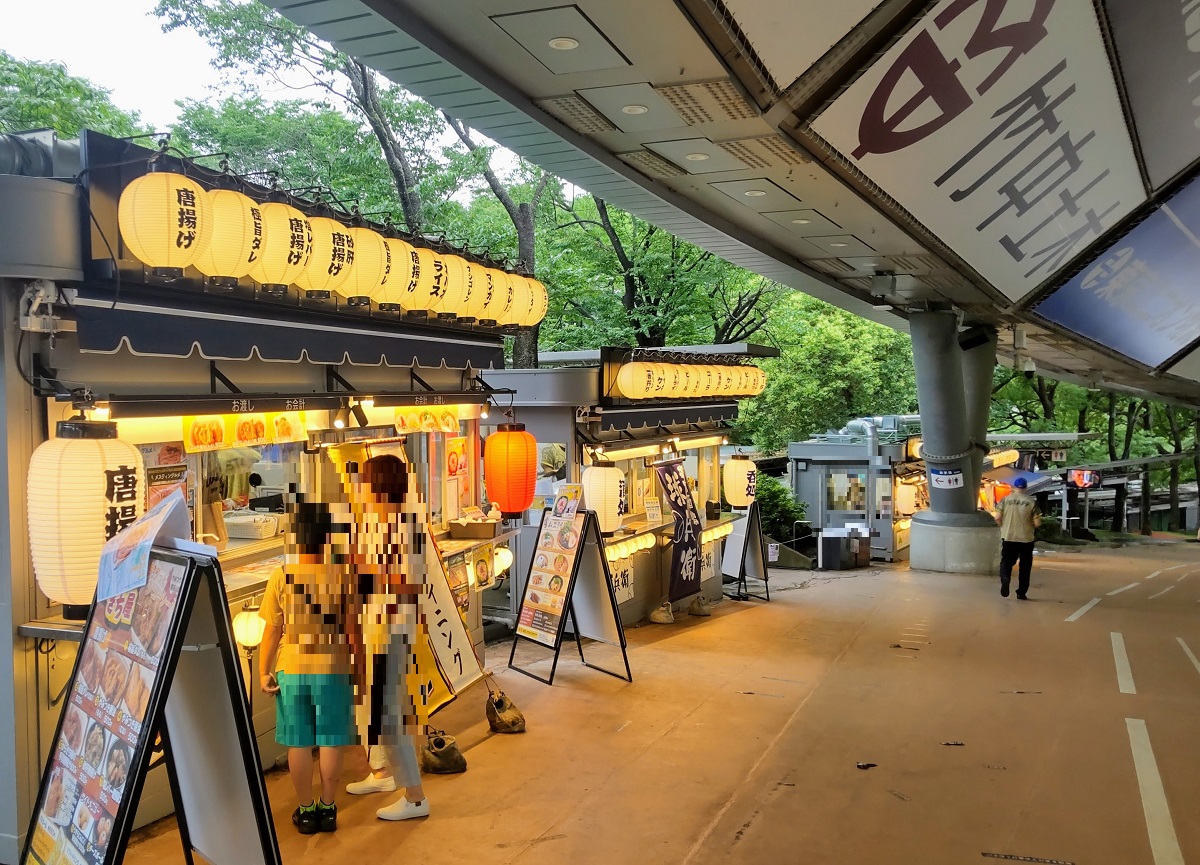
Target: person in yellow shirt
306 660
1018 518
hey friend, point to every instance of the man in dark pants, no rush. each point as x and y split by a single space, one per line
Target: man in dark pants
1018 517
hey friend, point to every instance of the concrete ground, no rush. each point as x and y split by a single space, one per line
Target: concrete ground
1054 730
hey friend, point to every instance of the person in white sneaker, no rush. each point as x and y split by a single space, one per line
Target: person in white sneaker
390 522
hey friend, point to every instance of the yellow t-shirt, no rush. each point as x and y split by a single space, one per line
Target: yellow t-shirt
1017 512
312 608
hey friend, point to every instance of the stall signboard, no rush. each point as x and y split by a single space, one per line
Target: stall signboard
653 510
445 652
213 432
135 689
1032 159
566 503
569 581
685 554
622 580
428 418
482 565
746 556
125 558
550 573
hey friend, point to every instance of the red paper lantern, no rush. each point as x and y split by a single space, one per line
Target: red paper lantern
510 463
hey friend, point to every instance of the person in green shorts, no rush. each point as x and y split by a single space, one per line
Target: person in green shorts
306 660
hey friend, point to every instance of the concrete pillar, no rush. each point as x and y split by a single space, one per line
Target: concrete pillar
979 362
953 535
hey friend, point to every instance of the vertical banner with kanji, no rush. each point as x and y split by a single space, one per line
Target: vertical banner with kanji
685 556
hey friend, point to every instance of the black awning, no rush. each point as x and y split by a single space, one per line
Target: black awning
158 331
667 416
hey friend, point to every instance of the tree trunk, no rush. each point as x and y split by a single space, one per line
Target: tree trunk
1119 504
1146 491
1196 452
525 344
1175 518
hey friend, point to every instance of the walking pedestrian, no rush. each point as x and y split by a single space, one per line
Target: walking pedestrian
305 662
1018 518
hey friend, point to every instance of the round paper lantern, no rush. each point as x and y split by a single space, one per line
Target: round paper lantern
661 389
760 382
498 307
510 464
526 300
166 221
455 287
287 249
502 560
520 296
332 260
602 483
431 277
541 302
635 380
400 283
237 239
248 628
83 487
478 291
741 479
371 267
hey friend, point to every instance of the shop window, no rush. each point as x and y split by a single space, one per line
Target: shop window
846 491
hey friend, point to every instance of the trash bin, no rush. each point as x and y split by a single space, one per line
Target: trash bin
843 549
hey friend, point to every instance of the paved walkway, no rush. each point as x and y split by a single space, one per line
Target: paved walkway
739 738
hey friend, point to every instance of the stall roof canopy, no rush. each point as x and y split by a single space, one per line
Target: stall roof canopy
159 331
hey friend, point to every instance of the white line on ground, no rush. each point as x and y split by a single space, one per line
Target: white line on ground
1078 614
1188 652
1121 658
1164 845
1177 567
1182 578
1153 575
1124 588
1160 594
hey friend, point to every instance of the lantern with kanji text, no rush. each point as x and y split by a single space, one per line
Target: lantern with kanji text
166 221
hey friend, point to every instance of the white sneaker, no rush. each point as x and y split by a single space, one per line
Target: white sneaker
371 784
402 809
663 615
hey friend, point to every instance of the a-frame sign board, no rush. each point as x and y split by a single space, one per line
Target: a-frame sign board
569 577
156 662
746 556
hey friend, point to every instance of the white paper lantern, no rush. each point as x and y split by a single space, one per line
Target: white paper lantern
636 380
741 478
248 628
602 494
84 486
502 560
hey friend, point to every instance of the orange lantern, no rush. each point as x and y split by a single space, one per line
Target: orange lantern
510 463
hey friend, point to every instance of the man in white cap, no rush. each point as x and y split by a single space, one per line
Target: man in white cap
1018 518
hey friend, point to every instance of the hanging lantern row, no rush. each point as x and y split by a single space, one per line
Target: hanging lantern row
169 223
624 549
649 380
716 533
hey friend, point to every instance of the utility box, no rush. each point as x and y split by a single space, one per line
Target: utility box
843 550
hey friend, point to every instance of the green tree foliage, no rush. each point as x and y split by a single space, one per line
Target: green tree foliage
833 367
779 510
35 95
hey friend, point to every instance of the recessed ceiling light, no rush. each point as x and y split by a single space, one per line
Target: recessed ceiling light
696 157
754 193
635 109
563 43
801 221
838 244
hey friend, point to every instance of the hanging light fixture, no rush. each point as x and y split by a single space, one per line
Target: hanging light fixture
496 297
341 417
332 260
541 302
510 464
238 237
248 628
502 560
401 280
602 483
478 289
741 480
371 269
287 250
635 380
518 301
84 486
166 221
427 288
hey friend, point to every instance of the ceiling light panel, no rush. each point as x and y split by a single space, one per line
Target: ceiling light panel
577 114
622 105
535 31
773 198
804 222
765 151
708 102
696 155
841 245
651 164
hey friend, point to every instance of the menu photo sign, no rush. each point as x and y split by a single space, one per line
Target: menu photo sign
549 577
103 731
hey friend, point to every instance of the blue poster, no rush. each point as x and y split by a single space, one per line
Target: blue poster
1141 297
685 555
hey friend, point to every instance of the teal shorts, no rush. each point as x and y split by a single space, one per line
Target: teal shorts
314 710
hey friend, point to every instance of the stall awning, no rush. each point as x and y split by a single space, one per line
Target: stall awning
669 416
1037 482
157 331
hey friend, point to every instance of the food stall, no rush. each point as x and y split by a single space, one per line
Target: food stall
131 372
635 428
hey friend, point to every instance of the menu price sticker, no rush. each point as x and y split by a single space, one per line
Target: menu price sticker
653 510
103 724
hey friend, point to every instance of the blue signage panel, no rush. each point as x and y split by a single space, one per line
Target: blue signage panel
1141 297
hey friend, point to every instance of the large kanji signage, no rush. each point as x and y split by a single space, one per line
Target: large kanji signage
997 124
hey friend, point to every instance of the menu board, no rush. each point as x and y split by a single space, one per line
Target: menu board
460 583
550 578
103 735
